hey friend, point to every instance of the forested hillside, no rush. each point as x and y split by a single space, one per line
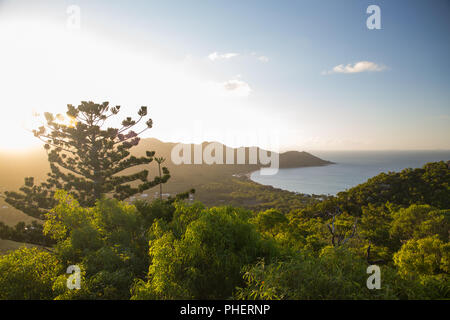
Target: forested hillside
173 249
214 184
246 241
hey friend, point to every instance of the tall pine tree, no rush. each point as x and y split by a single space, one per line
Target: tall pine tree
87 159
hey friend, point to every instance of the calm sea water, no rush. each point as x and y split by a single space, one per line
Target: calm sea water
351 169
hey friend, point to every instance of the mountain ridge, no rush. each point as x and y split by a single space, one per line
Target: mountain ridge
16 166
288 159
213 182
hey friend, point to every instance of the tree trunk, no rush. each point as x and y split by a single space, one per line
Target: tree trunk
160 184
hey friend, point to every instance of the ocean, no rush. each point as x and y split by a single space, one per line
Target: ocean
351 169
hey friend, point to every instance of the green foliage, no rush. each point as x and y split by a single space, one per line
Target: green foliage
204 260
336 273
374 225
428 261
168 249
28 274
420 221
87 159
107 241
303 233
155 210
423 257
242 192
29 233
270 221
427 185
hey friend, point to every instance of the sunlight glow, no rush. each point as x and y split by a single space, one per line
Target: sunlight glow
45 67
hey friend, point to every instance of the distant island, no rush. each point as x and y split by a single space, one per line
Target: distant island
296 159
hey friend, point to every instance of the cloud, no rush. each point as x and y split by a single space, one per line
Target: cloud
361 66
225 56
222 56
237 87
263 59
233 88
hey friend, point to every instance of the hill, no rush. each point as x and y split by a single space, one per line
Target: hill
16 166
214 184
429 185
295 159
8 245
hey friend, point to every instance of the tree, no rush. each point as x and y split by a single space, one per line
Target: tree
87 159
108 242
342 236
200 254
28 274
29 233
375 224
270 221
335 273
426 185
419 221
160 160
424 257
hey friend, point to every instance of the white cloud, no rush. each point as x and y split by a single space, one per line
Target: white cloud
233 88
263 59
225 56
361 66
222 56
237 87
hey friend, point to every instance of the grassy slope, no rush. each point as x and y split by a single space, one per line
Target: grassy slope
8 245
13 169
11 216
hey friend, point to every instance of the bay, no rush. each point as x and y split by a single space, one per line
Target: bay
351 169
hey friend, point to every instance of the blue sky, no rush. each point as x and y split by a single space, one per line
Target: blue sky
254 69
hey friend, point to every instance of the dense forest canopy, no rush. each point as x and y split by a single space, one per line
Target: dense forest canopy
173 249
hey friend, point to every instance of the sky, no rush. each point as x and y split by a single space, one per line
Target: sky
283 75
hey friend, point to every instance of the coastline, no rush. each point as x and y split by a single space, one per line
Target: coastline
247 177
350 170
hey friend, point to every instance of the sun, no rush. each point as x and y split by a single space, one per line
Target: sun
16 132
